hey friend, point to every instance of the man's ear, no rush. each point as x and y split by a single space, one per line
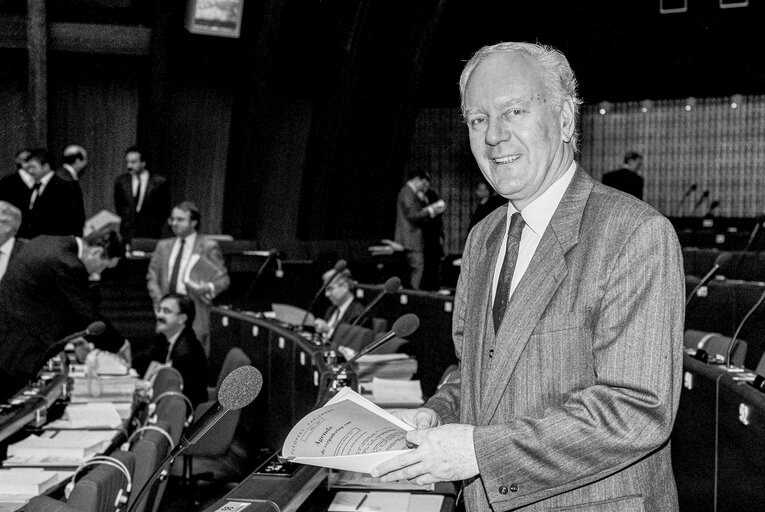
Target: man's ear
567 127
183 317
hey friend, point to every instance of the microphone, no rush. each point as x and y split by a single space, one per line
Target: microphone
392 285
94 329
404 326
722 260
339 267
734 340
269 255
690 189
704 197
759 220
238 389
712 207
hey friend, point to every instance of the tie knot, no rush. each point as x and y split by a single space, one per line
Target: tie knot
516 225
37 185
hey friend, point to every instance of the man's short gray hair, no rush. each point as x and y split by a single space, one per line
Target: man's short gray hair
560 82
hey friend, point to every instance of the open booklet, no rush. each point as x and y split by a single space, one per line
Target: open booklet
349 433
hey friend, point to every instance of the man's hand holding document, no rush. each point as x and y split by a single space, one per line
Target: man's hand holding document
349 433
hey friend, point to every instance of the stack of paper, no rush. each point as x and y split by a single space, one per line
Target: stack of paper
350 501
394 393
63 448
111 388
386 366
88 415
28 481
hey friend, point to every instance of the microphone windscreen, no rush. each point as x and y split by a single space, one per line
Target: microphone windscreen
694 186
406 325
392 285
240 387
705 194
340 265
724 259
96 328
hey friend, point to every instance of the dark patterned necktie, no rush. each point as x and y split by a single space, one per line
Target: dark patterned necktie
502 297
176 269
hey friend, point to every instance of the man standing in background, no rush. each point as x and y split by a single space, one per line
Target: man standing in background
626 178
411 215
74 161
172 268
141 199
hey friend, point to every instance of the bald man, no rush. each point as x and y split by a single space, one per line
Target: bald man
10 221
74 161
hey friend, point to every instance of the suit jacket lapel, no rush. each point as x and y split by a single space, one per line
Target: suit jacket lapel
479 302
545 273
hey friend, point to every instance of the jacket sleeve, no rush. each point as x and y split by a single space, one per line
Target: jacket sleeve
153 274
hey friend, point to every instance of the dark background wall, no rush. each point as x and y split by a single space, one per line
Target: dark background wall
300 132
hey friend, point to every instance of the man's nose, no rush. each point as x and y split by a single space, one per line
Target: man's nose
496 132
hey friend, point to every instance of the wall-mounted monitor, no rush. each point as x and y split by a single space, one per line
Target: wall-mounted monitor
215 17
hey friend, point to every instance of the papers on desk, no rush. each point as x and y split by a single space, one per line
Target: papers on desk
100 415
27 482
58 448
392 393
349 433
292 315
351 501
386 366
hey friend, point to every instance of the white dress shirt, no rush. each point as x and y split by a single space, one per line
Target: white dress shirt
537 215
140 181
5 254
188 248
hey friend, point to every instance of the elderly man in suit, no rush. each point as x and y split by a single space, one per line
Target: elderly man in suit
141 198
10 246
45 296
173 263
412 214
568 318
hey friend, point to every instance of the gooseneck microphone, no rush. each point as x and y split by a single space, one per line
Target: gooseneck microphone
404 326
94 329
270 256
721 261
701 200
238 389
392 285
688 192
759 220
734 340
339 267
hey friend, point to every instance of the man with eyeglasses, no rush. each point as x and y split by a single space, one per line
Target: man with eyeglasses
190 264
176 345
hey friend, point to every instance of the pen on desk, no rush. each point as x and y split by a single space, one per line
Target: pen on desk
363 499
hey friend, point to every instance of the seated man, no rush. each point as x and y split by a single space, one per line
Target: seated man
344 309
176 345
45 296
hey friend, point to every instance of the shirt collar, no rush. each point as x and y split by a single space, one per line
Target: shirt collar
7 247
79 247
189 240
172 339
539 212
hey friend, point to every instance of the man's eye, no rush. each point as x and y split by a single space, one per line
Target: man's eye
514 112
477 122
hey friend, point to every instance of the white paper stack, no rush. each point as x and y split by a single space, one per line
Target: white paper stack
386 366
28 482
100 415
62 448
394 393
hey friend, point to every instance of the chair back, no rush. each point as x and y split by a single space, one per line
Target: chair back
235 358
97 490
150 448
47 504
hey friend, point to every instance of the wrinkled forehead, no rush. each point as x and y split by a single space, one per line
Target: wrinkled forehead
504 77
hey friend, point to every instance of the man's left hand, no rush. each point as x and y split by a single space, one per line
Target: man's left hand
443 454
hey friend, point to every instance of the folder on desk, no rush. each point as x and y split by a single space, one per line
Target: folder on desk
292 315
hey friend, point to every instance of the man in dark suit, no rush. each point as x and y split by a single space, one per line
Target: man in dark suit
45 296
10 246
49 205
74 161
488 201
412 213
141 199
626 178
172 263
344 309
568 318
177 345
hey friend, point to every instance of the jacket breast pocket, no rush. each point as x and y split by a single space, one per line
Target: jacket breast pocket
625 504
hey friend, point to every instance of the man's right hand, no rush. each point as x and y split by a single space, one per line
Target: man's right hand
420 419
